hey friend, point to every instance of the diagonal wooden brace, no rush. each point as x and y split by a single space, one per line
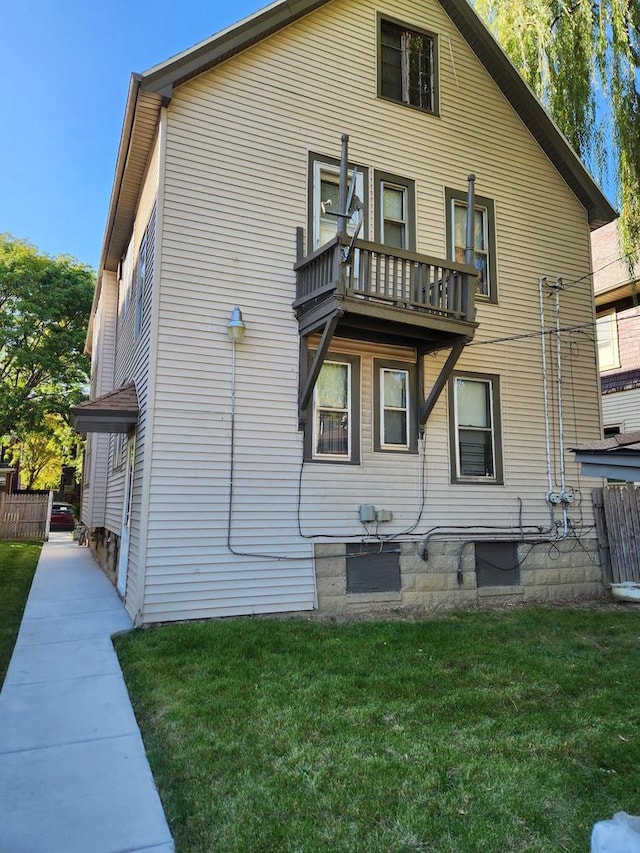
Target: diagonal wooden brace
307 382
441 381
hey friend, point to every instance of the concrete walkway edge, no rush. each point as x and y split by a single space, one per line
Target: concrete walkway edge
74 776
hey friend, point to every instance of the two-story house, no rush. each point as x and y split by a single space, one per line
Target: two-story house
326 366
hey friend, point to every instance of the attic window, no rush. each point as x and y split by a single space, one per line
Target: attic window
407 69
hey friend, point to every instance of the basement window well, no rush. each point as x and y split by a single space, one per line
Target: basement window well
371 570
497 564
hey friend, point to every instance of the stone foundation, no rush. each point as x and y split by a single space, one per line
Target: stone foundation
105 547
446 579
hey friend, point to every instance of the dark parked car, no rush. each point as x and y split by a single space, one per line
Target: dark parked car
62 517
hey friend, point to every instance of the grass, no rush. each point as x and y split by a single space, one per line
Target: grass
473 732
18 562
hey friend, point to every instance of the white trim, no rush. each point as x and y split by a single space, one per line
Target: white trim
405 212
125 528
609 321
320 167
406 409
489 478
349 409
136 608
478 208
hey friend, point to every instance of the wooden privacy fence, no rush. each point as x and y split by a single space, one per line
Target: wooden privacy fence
24 516
617 515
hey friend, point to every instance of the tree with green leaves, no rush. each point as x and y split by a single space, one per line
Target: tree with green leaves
41 454
582 59
44 310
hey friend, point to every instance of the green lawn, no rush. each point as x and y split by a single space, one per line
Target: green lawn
18 561
471 732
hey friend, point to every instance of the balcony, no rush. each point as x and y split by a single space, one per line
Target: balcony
357 289
373 292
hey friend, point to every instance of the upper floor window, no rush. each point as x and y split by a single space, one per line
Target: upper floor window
484 239
324 200
395 206
607 333
139 284
474 418
124 283
407 66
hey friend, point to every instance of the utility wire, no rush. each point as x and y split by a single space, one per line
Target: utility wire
626 258
551 331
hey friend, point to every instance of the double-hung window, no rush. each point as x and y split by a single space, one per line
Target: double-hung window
139 285
475 428
395 205
118 450
395 397
407 66
324 200
484 239
335 423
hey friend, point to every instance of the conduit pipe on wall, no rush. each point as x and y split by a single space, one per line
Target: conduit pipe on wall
563 485
545 389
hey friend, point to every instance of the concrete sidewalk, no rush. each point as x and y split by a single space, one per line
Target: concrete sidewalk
74 777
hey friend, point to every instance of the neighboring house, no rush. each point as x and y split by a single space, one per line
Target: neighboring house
6 477
617 457
618 331
380 437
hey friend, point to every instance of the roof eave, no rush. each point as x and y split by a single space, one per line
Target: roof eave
205 55
111 422
228 42
532 113
139 128
149 91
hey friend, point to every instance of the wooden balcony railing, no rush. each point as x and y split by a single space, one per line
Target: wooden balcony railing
384 275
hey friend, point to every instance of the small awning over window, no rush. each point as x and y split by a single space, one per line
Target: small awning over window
116 411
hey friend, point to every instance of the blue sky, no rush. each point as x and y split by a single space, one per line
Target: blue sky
65 67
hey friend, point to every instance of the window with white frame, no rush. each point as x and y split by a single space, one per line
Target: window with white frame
139 285
125 275
334 434
332 421
484 242
394 199
394 408
118 450
395 402
607 334
325 200
407 66
475 428
86 464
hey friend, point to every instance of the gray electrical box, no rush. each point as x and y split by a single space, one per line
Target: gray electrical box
366 513
383 515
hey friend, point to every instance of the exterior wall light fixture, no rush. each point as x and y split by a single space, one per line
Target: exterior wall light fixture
236 327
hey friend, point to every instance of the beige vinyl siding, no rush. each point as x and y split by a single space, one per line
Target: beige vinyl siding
132 364
238 140
622 408
103 348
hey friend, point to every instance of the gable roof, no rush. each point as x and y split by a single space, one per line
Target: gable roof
151 90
